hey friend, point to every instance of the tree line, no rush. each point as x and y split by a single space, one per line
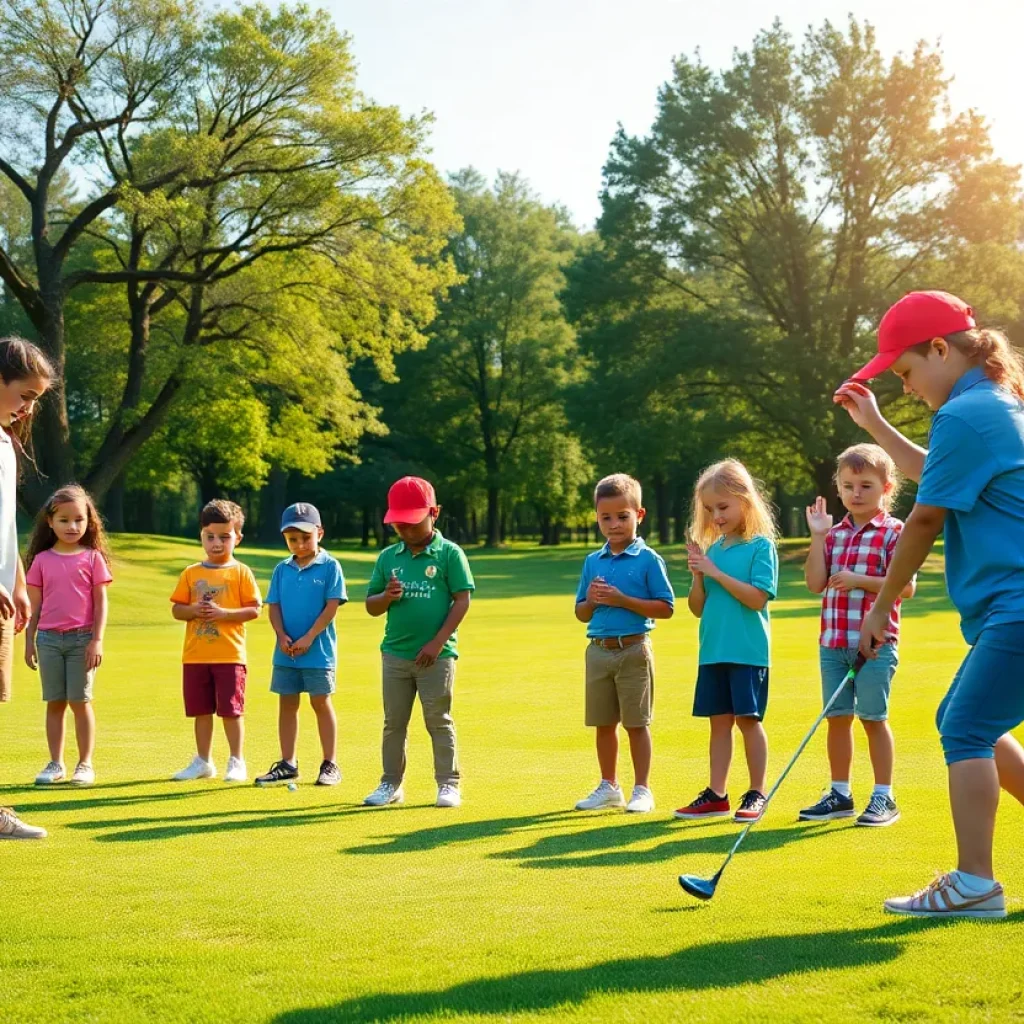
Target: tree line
255 283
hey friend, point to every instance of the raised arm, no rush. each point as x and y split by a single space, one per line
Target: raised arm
860 403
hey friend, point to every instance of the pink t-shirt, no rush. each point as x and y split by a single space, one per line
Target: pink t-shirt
66 582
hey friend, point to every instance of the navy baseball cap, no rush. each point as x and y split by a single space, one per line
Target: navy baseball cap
301 516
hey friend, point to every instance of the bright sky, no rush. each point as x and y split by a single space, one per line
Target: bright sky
538 86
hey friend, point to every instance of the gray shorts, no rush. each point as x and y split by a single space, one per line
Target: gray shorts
286 681
62 665
869 697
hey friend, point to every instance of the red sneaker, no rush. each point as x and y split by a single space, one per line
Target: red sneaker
708 805
751 806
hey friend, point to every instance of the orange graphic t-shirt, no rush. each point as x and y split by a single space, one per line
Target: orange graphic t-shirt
215 642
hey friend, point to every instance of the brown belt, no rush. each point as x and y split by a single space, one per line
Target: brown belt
617 643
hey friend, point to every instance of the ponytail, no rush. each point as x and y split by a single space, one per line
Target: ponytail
992 351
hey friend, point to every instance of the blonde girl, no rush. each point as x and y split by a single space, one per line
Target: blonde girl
735 574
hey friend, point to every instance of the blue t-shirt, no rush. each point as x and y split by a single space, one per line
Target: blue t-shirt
302 594
975 470
638 571
729 630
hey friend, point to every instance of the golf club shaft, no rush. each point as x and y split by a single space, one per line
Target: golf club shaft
849 677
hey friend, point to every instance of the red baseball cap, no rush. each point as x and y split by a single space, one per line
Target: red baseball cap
410 500
916 318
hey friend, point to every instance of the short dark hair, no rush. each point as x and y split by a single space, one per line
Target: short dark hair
619 485
221 511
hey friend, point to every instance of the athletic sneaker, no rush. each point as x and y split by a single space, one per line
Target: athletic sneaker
84 775
880 811
642 800
236 770
832 805
385 794
751 806
197 769
707 805
606 795
947 897
448 796
330 774
280 771
12 827
53 772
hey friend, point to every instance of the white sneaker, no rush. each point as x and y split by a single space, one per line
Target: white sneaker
606 795
448 796
84 775
197 769
642 800
947 897
53 772
12 827
235 771
385 794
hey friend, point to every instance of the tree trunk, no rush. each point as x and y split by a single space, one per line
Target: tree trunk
556 534
113 506
661 499
273 500
681 515
493 517
474 527
144 503
367 531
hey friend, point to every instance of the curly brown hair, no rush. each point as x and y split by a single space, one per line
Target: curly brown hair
221 511
43 538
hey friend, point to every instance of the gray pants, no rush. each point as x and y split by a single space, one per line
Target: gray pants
62 668
402 680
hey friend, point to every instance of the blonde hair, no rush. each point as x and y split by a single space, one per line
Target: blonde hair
870 458
731 477
619 485
991 350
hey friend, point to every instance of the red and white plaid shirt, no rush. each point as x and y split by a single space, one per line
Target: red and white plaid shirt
867 551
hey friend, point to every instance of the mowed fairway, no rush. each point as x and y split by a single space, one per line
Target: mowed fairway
192 902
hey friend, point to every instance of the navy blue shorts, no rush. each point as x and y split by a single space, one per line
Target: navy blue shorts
728 689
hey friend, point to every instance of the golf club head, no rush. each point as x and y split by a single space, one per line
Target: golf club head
699 888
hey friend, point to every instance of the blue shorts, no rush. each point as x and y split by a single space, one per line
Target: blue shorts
287 681
868 698
728 689
986 698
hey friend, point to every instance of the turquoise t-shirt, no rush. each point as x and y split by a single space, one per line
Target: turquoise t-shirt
729 630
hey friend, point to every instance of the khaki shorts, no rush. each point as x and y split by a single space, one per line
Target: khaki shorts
620 685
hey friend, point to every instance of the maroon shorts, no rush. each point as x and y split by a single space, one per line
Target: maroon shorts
213 689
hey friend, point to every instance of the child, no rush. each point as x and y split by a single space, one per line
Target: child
849 562
624 587
305 593
25 375
216 598
972 486
68 575
735 574
423 583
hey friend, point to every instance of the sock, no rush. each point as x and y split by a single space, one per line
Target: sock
292 764
842 788
974 883
881 790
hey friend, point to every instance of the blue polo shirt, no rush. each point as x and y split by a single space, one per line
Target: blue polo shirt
302 594
638 571
974 469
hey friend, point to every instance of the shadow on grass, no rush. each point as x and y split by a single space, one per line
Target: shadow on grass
68 798
714 965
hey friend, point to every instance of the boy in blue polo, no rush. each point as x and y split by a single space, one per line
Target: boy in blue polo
623 589
305 593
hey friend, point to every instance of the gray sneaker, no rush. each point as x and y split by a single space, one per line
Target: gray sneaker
12 827
606 795
880 811
385 794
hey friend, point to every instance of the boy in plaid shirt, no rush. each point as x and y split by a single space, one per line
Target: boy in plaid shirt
848 562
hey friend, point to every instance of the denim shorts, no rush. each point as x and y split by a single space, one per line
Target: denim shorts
986 698
728 689
868 698
287 681
62 668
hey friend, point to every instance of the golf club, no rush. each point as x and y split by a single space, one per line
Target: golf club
704 888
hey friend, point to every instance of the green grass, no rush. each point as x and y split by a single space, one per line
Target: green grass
154 901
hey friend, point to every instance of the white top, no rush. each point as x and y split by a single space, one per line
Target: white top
8 511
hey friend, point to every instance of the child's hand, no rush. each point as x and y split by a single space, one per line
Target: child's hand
30 654
700 564
300 646
860 403
819 522
394 589
429 653
93 655
604 593
212 611
844 581
285 643
7 608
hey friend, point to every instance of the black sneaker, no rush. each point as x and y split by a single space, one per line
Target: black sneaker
880 811
330 774
751 806
832 805
280 771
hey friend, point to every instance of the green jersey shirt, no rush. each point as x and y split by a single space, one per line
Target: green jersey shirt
428 580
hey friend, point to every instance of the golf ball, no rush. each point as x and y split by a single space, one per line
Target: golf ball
292 786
